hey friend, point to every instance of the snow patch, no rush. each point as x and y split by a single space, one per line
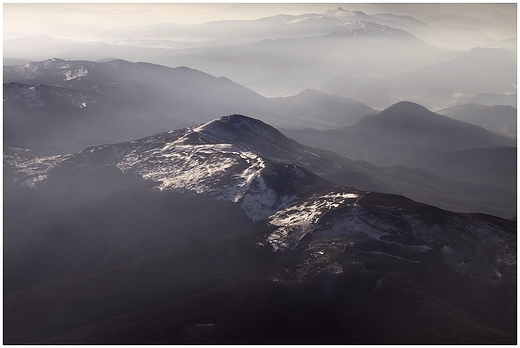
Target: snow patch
295 221
72 74
33 169
224 171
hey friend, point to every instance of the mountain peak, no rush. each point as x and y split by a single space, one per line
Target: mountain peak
341 12
239 120
406 108
244 131
57 60
231 126
406 114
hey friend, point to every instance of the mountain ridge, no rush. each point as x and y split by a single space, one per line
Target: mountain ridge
136 100
479 71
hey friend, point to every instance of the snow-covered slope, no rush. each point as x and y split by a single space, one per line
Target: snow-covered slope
234 158
369 226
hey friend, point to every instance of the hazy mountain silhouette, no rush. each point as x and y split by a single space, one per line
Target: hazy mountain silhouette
275 56
489 99
500 119
480 70
318 110
410 123
280 70
306 50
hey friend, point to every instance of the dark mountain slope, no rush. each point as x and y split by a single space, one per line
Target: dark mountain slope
409 135
495 166
360 146
410 123
238 291
451 180
50 119
425 186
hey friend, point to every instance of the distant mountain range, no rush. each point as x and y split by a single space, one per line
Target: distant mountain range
58 106
284 54
404 128
274 67
220 233
407 134
478 71
499 119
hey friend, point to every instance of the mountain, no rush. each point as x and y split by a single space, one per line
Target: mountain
233 159
408 20
74 104
425 175
410 123
440 155
58 106
401 133
500 119
496 70
274 56
319 110
489 99
303 50
286 66
217 233
444 19
477 71
495 166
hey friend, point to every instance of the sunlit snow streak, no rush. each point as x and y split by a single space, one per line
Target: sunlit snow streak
35 169
72 74
296 220
223 171
190 167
